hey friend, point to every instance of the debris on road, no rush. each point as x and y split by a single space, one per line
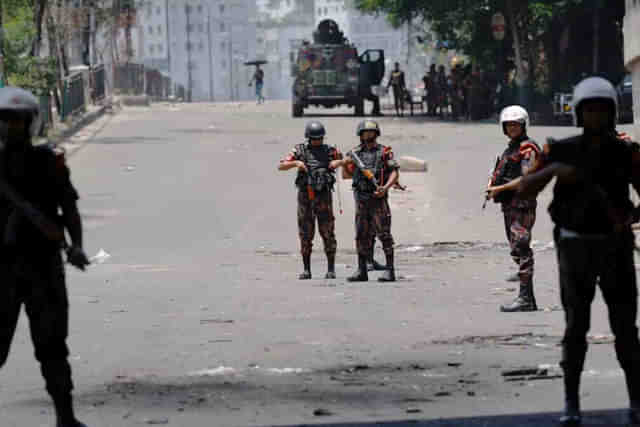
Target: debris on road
100 257
206 321
541 372
220 370
413 410
156 420
322 412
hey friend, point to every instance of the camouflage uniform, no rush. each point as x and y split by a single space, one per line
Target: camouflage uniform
519 214
373 216
33 271
317 160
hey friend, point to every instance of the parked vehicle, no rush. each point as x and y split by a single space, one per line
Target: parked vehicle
563 107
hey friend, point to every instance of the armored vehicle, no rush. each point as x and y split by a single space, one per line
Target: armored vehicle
329 72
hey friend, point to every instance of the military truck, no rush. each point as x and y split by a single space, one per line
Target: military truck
329 72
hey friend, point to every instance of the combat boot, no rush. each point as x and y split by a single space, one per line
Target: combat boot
331 266
390 274
572 364
525 301
361 274
64 411
306 274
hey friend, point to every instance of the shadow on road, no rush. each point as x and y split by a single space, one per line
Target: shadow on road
609 417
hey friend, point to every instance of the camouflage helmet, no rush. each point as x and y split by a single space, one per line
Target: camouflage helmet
368 125
314 130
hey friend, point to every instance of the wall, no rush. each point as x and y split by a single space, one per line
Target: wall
632 56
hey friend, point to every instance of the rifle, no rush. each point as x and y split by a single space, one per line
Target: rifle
491 173
366 172
310 192
50 229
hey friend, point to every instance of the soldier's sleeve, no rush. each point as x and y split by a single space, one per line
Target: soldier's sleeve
529 154
337 154
62 176
389 160
293 155
351 166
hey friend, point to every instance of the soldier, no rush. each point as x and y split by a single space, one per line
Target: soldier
316 163
397 83
36 185
519 213
372 207
592 213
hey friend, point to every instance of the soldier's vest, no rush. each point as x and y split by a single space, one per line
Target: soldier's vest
510 168
374 161
317 160
586 208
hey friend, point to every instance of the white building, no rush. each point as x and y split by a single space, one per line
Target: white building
202 45
632 55
336 10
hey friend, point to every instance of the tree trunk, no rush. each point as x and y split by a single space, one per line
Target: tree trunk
54 52
2 76
511 16
39 7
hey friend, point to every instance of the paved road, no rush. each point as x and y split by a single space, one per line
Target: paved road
197 318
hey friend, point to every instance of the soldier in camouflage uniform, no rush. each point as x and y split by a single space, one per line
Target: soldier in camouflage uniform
519 213
373 216
31 264
316 163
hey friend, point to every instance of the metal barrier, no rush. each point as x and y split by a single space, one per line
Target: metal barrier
73 100
97 83
129 79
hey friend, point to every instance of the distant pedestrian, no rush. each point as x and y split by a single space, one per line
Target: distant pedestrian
258 78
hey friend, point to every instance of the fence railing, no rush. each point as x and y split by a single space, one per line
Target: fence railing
98 83
73 100
129 78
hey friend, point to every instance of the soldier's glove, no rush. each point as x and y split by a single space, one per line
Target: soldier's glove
77 258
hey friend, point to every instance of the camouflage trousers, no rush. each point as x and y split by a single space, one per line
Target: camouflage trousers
39 285
373 218
320 209
518 223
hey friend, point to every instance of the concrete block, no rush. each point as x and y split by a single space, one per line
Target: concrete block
412 164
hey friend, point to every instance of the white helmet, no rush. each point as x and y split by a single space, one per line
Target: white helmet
17 100
593 88
514 113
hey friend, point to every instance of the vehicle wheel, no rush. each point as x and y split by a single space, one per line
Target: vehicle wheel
297 110
358 111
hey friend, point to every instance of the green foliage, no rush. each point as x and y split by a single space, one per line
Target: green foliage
21 69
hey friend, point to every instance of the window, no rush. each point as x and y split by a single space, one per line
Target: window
221 7
188 45
151 49
158 10
201 28
320 11
223 63
222 26
187 8
149 11
199 8
161 48
326 11
223 45
159 29
201 46
150 29
189 28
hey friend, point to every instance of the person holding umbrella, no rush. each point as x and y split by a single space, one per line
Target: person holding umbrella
258 77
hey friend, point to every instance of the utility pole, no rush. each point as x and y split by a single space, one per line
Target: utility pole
210 53
187 10
166 10
230 42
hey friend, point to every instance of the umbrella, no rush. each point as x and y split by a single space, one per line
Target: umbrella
258 62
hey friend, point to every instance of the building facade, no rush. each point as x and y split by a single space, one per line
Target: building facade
632 56
202 45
